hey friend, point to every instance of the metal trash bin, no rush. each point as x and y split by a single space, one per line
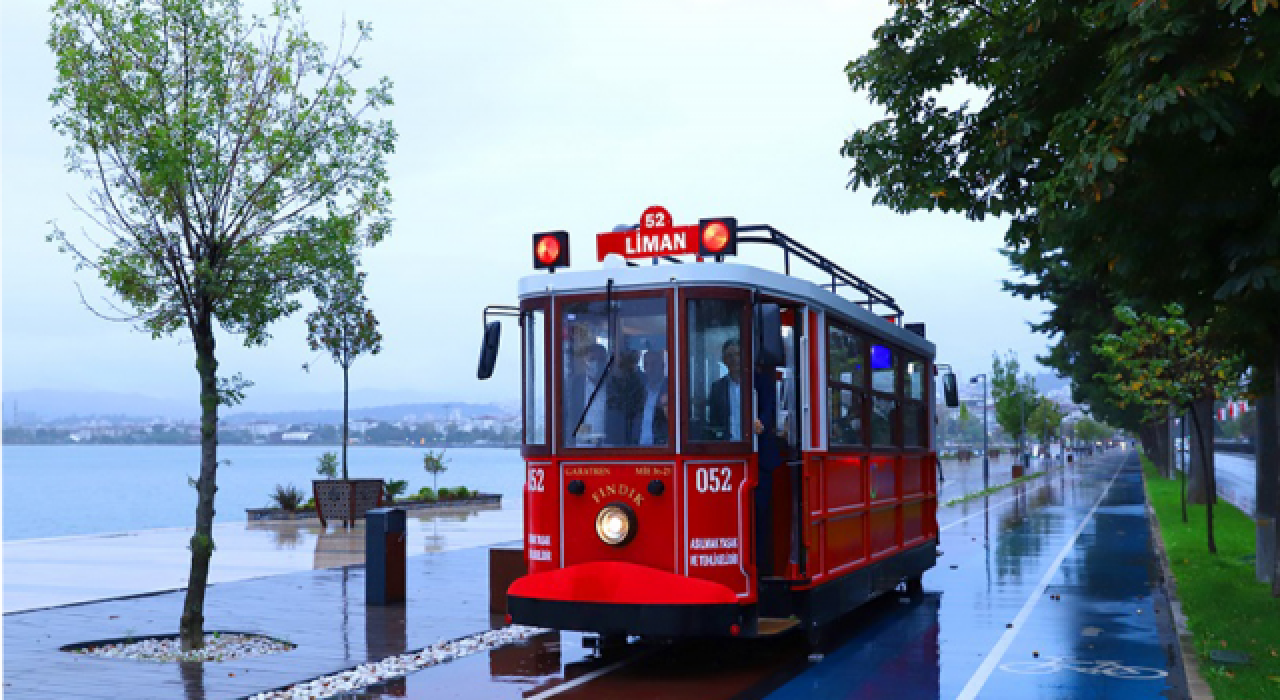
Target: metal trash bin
384 556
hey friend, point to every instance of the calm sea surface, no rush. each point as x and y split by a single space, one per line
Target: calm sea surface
57 490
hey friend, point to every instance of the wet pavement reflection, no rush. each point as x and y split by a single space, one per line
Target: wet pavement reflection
1044 590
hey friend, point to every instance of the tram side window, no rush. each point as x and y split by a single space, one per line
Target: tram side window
885 403
915 426
716 366
535 381
846 386
618 404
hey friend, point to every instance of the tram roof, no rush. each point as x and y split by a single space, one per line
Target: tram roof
727 275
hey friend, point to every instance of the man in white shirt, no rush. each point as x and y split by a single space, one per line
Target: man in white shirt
653 417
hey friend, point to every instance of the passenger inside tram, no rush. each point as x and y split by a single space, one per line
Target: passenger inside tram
652 428
587 368
609 400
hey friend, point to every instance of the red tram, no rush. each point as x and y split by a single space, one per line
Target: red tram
715 449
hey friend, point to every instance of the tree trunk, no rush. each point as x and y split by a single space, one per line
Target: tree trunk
1146 434
1200 428
1185 467
191 627
1266 485
1273 427
345 440
1201 452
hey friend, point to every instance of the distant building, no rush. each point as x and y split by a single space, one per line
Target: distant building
296 436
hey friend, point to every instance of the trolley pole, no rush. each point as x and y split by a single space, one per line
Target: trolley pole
986 453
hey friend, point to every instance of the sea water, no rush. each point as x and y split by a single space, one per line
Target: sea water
57 490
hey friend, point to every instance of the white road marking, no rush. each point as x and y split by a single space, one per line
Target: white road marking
584 678
979 677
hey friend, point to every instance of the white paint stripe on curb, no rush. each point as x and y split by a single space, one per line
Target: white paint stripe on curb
979 677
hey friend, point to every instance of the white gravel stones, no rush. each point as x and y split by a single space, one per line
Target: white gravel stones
394 667
217 647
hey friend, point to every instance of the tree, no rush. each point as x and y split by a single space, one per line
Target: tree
1163 361
327 465
1015 397
1130 143
345 328
1046 419
435 464
1092 431
232 160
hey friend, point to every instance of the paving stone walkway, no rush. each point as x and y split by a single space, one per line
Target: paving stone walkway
323 612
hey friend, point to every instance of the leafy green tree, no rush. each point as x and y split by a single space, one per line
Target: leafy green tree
231 161
1163 361
1091 431
1130 143
434 464
344 327
1045 420
1015 397
327 465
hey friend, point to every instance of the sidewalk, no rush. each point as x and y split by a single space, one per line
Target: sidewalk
323 612
56 571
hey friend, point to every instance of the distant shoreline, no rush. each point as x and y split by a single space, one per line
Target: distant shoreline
455 446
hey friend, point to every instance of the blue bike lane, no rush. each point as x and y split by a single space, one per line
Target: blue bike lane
1046 590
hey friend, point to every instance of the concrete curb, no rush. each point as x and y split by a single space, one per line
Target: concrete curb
1197 688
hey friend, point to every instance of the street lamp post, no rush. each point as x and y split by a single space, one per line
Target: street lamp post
986 453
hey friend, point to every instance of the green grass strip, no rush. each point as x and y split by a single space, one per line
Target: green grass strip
988 491
1226 607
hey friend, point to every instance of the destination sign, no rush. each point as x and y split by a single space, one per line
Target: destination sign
656 236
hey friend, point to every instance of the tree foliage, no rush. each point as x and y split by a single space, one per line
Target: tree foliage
1015 396
1164 361
434 464
1131 144
1045 420
343 326
231 159
1091 431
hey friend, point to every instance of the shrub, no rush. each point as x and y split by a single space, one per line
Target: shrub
426 493
396 488
309 504
327 465
287 497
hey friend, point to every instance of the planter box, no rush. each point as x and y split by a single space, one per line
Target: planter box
346 500
482 500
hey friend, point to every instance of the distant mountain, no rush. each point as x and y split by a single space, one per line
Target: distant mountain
416 412
38 405
49 405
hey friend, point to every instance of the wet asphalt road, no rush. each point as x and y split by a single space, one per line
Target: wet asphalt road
1047 590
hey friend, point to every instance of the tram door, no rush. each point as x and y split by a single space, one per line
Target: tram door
783 510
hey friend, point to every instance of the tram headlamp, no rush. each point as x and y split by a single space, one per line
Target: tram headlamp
615 524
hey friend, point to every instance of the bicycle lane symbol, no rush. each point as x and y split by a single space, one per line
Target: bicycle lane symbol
1099 667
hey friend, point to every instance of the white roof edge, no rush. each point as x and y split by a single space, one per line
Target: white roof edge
668 275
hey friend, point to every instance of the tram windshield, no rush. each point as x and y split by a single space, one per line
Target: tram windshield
614 389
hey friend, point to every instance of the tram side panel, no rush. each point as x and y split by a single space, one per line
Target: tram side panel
543 535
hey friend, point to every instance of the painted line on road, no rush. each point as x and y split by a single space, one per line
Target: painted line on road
979 677
586 677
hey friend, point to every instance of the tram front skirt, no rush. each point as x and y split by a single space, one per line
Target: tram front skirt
612 597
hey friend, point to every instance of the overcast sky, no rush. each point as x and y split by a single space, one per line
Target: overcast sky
517 117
